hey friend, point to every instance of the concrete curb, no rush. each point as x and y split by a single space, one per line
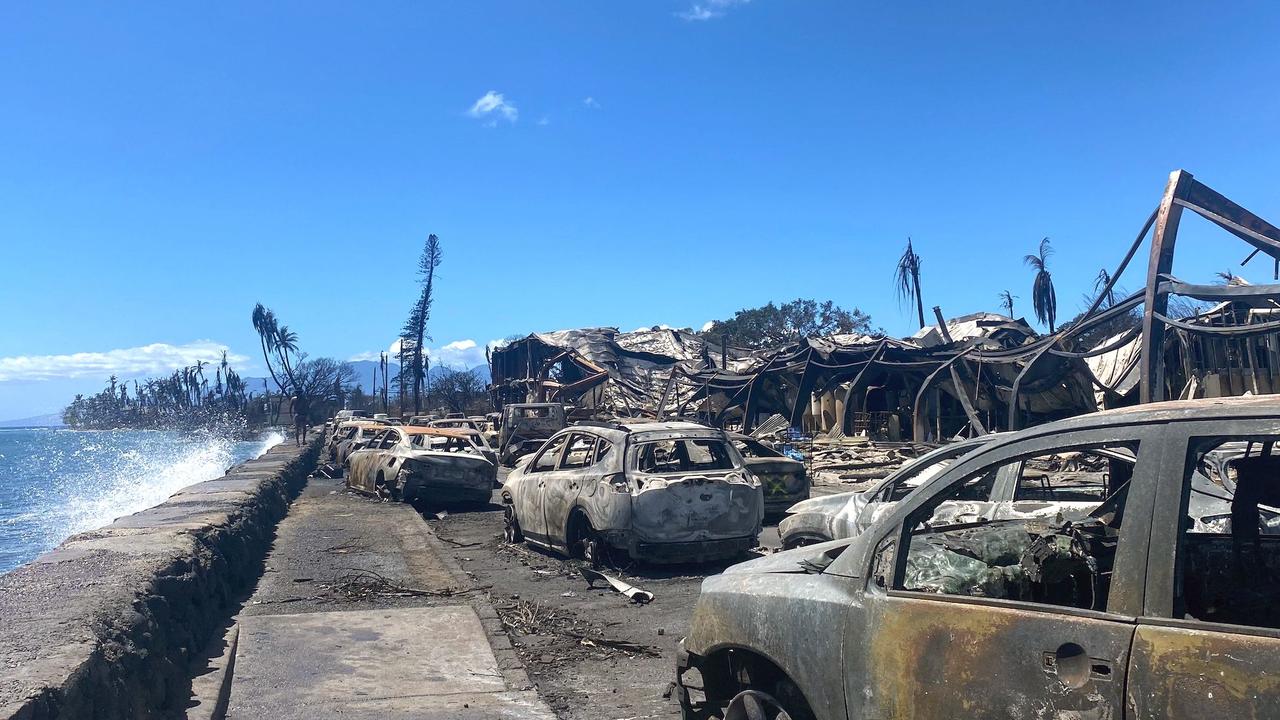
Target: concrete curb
105 625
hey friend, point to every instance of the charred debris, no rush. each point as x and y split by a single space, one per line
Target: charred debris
966 376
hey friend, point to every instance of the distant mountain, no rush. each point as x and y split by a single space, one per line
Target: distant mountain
50 420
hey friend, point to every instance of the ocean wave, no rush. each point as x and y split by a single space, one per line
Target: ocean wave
53 486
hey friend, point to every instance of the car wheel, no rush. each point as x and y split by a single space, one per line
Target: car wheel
755 705
398 485
511 526
380 487
591 550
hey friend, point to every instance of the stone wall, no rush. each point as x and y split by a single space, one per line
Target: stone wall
104 625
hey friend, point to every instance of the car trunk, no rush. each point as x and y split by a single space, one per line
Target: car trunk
451 470
693 507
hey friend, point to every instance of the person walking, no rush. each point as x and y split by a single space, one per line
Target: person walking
300 412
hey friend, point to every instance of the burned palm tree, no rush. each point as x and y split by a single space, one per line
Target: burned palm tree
906 280
1006 302
1043 298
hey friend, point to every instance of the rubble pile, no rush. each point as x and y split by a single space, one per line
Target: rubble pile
856 463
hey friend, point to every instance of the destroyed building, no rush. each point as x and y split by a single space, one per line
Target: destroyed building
969 375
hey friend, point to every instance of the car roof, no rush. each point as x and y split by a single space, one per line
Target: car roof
1224 408
437 431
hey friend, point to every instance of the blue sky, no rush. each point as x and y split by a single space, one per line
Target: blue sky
164 167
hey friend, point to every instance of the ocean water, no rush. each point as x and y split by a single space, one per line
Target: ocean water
55 483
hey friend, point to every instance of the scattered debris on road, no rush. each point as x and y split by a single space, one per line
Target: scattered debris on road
632 592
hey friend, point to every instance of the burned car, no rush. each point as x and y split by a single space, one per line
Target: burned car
843 515
659 492
350 436
423 463
525 426
1132 610
783 480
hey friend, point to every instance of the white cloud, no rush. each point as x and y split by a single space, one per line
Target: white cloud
154 359
708 325
708 9
458 354
544 120
591 103
493 105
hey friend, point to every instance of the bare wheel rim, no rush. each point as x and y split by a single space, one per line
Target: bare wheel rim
511 525
755 705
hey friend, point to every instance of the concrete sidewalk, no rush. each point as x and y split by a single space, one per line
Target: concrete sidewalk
310 645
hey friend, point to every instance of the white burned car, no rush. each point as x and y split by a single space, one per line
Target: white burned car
423 463
659 492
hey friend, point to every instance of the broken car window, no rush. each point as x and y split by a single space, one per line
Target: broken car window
579 453
683 455
546 459
602 449
1050 552
1229 549
1076 476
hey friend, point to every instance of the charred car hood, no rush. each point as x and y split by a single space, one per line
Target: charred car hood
825 504
810 559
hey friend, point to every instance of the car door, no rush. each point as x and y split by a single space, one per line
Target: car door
384 459
529 501
1208 640
953 625
362 463
563 485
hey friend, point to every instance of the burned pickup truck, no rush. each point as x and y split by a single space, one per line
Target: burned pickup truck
659 492
410 463
1133 610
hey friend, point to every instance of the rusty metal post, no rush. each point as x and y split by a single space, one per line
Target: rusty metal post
942 325
1151 381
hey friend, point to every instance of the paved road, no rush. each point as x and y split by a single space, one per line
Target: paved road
357 590
547 606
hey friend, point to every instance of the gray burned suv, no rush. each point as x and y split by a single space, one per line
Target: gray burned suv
1136 609
660 492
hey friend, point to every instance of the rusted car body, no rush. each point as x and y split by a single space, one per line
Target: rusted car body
422 463
1132 611
783 480
525 426
659 492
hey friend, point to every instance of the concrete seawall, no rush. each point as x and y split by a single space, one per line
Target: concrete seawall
105 625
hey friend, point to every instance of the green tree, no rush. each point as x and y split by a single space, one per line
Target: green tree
416 327
775 325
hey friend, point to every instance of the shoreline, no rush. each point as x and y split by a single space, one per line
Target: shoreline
103 625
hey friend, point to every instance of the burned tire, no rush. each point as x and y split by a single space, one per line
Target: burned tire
511 526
